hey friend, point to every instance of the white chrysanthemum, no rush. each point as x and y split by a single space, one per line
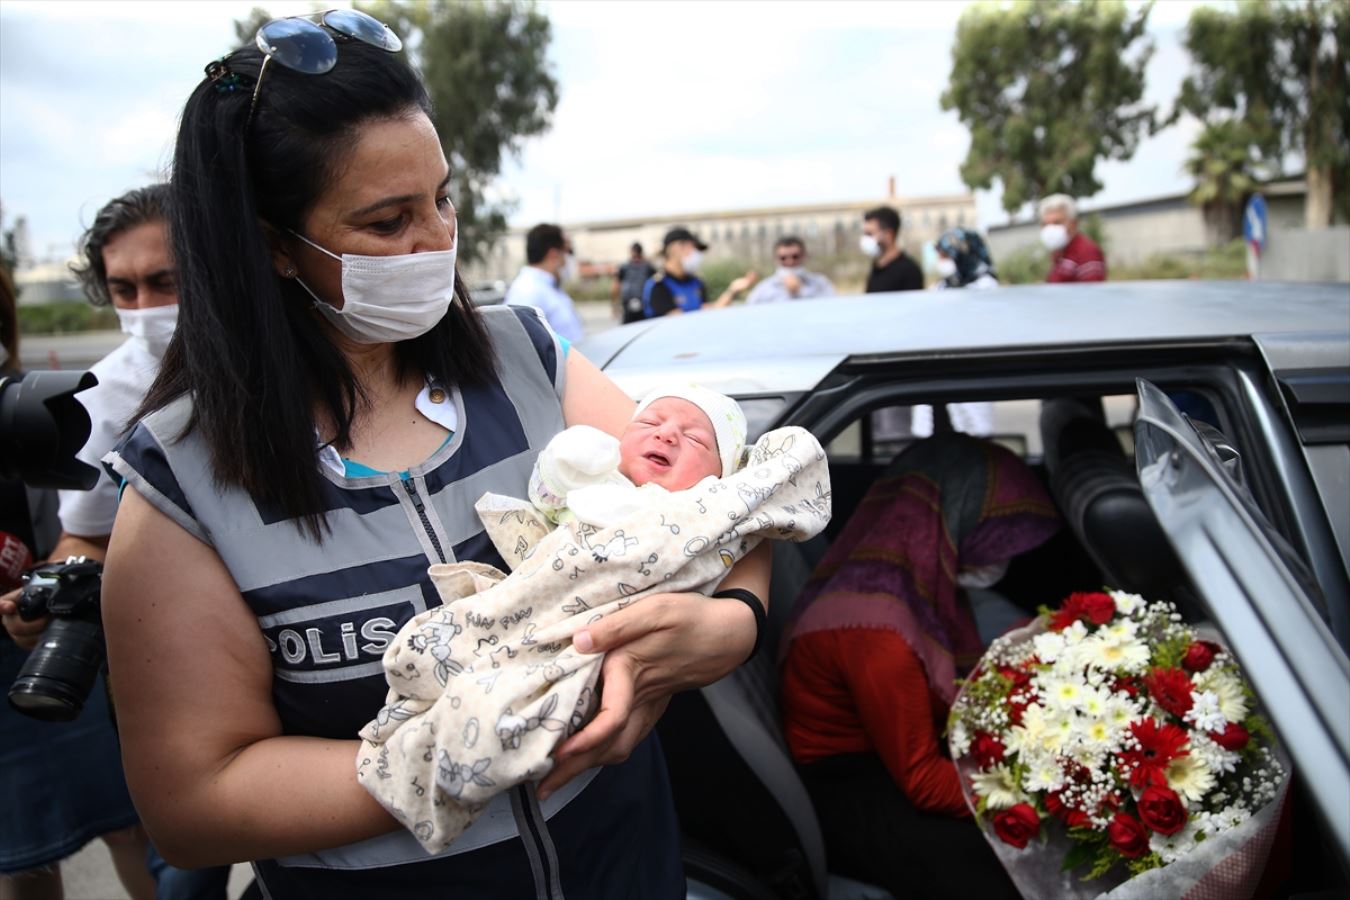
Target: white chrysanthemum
1172 847
1026 737
1204 713
1100 732
1049 645
1119 630
1228 688
1093 702
1060 729
1045 775
1120 711
1110 654
1215 757
959 739
1190 777
1126 604
1076 633
1064 694
1227 818
997 787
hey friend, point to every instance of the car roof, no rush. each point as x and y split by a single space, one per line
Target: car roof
791 346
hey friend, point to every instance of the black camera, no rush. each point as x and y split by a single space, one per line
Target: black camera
42 427
60 672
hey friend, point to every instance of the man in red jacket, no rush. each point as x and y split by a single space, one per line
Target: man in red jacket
1073 255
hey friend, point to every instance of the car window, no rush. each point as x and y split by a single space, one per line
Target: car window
878 437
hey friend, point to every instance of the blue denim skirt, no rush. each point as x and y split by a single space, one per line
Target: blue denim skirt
62 781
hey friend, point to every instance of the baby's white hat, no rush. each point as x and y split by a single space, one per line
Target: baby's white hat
728 421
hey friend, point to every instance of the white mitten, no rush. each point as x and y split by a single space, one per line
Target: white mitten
577 457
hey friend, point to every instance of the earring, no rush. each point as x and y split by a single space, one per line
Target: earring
288 272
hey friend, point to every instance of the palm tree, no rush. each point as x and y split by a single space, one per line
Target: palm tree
1223 163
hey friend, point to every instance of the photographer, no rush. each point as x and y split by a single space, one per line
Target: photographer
126 262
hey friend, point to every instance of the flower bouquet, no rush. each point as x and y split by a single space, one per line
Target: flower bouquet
1106 748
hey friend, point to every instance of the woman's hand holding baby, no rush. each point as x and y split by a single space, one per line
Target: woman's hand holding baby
667 643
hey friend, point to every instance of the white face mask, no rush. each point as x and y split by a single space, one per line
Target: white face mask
869 246
389 298
790 270
568 272
153 327
982 576
692 262
946 268
1054 237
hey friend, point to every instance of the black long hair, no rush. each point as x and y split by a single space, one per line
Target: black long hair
247 348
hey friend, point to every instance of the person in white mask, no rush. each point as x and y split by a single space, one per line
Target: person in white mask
126 263
549 264
677 287
1073 255
791 280
892 268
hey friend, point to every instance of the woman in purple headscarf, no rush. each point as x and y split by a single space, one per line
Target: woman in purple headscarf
881 633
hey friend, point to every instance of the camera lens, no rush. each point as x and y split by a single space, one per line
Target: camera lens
60 672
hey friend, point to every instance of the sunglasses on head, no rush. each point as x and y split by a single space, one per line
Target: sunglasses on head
310 48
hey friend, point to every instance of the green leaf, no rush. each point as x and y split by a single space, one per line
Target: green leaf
1079 854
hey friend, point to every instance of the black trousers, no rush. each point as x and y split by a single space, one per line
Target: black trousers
874 834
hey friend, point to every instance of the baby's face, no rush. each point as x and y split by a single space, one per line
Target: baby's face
671 443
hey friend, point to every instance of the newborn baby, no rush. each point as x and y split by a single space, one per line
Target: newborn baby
679 435
484 687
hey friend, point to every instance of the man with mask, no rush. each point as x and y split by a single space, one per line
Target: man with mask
548 264
790 281
628 283
892 268
1073 255
126 263
677 287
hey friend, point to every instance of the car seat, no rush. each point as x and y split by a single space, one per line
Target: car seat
1098 493
755 807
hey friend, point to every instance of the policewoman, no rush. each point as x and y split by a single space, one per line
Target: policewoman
328 411
677 287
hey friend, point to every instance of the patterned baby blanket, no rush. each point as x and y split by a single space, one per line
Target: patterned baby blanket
483 688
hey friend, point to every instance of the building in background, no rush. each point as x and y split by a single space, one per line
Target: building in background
829 230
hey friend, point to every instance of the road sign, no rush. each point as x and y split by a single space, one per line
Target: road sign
1254 219
1254 230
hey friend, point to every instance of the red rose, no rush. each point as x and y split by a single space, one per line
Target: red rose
1128 835
1070 612
986 749
1170 689
1099 608
1018 677
1095 608
1161 810
1017 825
1233 737
1199 655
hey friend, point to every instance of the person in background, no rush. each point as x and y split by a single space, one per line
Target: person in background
677 287
880 633
790 281
628 282
963 261
1073 255
892 268
549 263
71 786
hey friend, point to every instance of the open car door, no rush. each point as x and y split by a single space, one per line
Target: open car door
1257 592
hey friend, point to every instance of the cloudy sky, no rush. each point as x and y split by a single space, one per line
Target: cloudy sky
665 107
